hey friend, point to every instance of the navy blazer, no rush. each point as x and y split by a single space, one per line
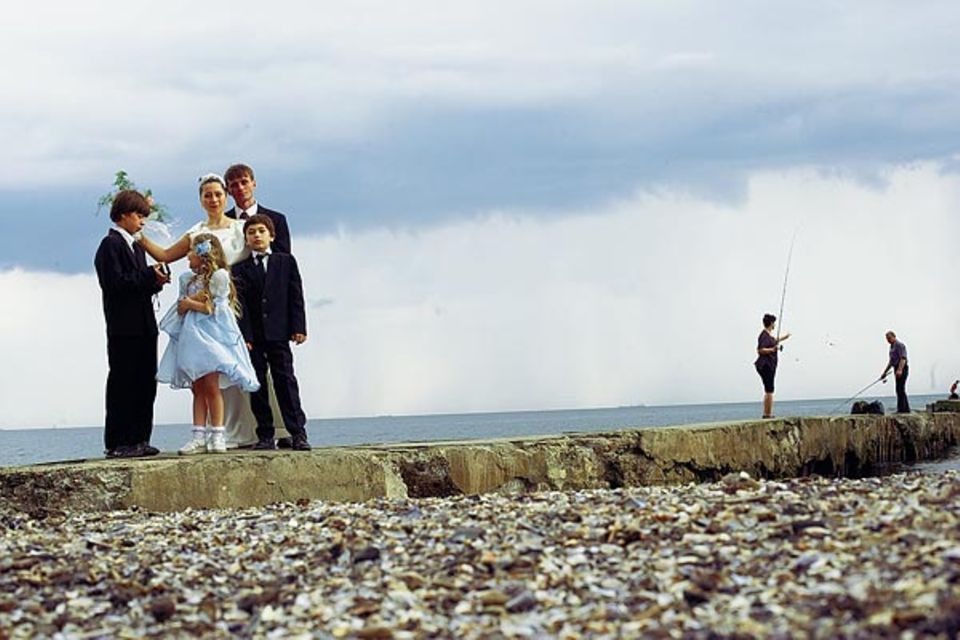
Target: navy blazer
275 298
127 285
281 236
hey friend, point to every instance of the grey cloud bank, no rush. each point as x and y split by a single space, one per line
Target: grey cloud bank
359 115
432 167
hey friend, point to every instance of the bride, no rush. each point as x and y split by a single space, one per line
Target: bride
238 417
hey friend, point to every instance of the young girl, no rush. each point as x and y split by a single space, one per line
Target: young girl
206 350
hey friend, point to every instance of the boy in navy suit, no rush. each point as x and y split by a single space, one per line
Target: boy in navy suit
271 297
127 285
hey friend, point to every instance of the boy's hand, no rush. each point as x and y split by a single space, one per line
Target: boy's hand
161 275
298 338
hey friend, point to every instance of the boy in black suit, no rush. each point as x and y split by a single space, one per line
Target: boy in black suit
127 285
271 297
242 187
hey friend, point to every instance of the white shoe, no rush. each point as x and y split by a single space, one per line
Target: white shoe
216 440
197 444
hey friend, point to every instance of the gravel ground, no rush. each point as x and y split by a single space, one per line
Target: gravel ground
740 558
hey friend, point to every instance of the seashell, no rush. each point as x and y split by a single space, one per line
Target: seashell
522 602
163 608
789 558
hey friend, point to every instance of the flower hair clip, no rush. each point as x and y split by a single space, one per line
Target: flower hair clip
202 248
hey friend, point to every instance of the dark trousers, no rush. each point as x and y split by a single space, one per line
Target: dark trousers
276 355
903 405
131 390
767 374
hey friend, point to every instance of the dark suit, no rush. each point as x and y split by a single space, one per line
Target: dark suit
272 311
127 285
281 235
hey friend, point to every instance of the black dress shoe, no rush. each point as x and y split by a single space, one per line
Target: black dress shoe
300 442
284 443
265 444
126 451
148 449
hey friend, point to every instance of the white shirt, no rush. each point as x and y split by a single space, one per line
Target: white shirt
266 258
252 211
126 236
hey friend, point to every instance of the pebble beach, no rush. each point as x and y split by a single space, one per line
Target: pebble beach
740 558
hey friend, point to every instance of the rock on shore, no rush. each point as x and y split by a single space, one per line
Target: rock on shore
876 557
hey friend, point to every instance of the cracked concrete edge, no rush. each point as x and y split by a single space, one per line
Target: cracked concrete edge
844 445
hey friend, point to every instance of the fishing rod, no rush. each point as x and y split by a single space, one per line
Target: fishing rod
783 292
856 395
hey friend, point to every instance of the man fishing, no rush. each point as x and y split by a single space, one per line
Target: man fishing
898 362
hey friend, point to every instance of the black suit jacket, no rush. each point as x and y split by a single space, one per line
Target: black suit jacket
127 285
273 301
281 237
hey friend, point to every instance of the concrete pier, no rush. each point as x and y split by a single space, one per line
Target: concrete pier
832 446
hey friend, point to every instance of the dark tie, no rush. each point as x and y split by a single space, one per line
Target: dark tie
260 275
259 258
243 215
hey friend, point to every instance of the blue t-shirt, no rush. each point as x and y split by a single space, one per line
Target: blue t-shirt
898 352
766 341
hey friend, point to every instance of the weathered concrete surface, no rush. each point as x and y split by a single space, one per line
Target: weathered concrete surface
840 446
940 406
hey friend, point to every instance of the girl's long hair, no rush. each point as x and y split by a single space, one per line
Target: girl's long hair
211 261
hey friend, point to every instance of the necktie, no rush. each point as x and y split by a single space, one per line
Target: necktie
260 261
243 214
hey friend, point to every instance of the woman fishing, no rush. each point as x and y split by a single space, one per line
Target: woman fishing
768 344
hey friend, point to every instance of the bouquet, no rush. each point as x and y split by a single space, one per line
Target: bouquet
159 219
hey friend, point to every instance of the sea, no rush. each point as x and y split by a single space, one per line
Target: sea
39 446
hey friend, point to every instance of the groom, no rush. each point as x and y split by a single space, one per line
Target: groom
242 185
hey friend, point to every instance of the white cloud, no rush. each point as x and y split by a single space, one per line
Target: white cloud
100 85
656 299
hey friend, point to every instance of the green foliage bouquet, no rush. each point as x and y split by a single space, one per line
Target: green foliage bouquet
159 218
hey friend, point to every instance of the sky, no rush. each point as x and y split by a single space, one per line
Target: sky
503 206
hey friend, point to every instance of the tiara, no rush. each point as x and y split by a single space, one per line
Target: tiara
202 248
211 177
